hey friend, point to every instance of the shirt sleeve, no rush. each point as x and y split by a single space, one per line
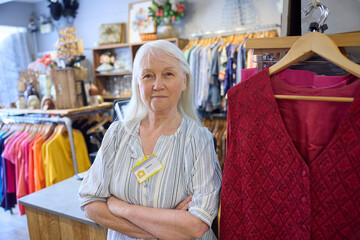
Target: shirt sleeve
206 180
95 185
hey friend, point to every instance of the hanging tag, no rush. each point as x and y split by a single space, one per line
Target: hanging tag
147 167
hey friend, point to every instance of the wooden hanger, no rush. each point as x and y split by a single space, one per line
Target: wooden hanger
283 44
48 130
320 44
34 131
101 123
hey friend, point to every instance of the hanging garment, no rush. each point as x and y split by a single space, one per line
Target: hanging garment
39 173
22 188
231 66
292 169
9 195
31 168
13 153
58 164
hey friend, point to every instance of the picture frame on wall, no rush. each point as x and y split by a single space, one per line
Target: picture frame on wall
111 33
139 21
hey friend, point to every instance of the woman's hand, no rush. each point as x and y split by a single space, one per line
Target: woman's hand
117 206
159 222
184 205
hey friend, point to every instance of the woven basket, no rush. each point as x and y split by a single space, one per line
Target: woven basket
148 36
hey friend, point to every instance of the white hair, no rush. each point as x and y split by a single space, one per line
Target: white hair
136 110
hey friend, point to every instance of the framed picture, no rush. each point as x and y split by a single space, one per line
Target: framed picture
111 33
139 21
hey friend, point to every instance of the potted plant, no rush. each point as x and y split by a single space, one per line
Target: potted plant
164 13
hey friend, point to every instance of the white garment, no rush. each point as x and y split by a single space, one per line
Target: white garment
190 164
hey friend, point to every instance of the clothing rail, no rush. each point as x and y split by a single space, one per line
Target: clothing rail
242 30
62 116
64 120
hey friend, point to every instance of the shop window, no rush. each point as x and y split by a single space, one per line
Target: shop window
15 56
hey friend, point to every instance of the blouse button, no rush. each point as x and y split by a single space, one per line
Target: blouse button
303 199
303 173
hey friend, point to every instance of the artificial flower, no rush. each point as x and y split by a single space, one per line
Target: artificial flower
162 10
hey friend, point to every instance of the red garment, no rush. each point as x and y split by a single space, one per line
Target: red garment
10 176
22 189
31 170
308 79
16 156
27 153
292 168
10 167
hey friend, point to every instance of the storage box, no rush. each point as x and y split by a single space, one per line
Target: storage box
67 91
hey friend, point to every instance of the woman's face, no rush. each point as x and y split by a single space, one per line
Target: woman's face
161 82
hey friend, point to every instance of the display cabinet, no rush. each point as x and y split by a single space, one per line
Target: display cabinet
116 83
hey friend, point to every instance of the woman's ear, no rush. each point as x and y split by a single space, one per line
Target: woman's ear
185 79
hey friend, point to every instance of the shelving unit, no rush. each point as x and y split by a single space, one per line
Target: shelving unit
100 79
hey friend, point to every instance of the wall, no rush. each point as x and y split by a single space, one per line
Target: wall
15 14
201 16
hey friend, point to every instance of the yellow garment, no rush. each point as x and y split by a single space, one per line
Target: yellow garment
58 163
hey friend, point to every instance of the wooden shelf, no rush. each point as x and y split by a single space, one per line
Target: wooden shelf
100 79
112 74
121 45
115 98
61 112
110 46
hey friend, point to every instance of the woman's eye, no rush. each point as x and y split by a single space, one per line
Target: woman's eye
147 76
169 74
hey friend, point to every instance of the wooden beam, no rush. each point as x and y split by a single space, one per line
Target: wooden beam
283 44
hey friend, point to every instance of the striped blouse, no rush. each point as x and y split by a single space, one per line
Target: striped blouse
190 165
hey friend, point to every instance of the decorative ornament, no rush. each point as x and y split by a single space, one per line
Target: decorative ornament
55 9
70 7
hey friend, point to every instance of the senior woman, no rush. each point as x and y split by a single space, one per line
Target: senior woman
156 174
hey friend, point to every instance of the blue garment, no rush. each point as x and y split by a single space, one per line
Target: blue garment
8 199
230 77
241 58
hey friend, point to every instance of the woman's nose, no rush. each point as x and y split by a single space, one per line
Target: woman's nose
158 83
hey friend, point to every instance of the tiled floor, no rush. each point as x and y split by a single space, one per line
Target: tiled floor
13 226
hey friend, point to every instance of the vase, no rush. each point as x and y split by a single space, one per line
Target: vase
165 30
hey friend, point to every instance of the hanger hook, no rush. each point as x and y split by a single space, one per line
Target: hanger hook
319 25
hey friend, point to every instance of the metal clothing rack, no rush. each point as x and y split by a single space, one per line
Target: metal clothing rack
64 120
242 30
5 117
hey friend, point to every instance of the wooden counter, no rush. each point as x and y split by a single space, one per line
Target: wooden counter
54 213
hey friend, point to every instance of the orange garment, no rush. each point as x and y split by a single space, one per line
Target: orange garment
31 170
39 165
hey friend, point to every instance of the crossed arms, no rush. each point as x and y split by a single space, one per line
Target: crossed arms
145 222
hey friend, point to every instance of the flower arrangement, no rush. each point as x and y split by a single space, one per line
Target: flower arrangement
48 61
166 10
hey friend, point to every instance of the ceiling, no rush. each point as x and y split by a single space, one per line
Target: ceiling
26 1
